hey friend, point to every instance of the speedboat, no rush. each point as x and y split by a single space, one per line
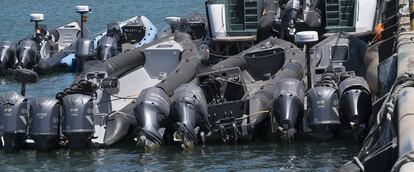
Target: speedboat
98 108
119 37
45 44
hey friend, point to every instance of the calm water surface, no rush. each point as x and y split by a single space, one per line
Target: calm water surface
14 25
301 156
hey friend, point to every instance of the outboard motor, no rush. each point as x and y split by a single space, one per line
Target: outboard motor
153 108
355 103
107 48
27 54
323 117
13 120
114 30
289 18
7 56
84 51
14 113
83 10
189 110
40 32
288 106
78 120
44 122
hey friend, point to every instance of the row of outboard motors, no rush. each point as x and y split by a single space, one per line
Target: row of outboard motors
233 101
258 91
68 47
23 55
43 44
339 98
44 123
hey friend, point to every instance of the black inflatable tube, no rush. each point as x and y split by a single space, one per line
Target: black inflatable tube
235 61
122 63
53 63
260 102
118 124
187 69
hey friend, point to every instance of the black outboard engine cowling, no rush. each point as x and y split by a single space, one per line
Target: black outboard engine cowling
153 108
289 18
323 117
13 120
189 110
78 120
288 106
107 48
7 56
84 51
27 54
355 102
113 30
44 122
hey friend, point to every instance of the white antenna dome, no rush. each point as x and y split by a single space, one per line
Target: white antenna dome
37 17
83 9
172 20
306 37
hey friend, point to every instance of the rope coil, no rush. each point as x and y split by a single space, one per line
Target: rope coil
384 129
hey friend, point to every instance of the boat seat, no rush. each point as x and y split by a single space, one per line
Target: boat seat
162 58
68 34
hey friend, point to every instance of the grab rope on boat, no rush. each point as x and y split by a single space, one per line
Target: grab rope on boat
81 87
236 120
384 129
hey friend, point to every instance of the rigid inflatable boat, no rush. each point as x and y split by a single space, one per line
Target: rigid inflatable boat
277 70
261 89
68 47
45 44
98 108
232 101
118 38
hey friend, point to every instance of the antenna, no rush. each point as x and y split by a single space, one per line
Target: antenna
172 20
307 38
25 76
82 10
36 18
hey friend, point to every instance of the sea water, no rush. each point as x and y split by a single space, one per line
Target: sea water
269 156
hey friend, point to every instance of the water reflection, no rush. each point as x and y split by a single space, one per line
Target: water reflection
254 157
302 155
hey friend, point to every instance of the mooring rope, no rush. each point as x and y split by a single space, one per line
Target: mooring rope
384 129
